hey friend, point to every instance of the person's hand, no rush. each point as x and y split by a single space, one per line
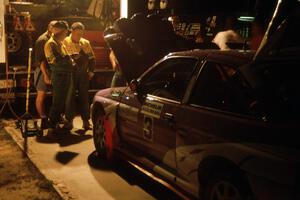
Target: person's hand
91 75
47 80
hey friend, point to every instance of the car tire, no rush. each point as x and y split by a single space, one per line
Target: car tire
17 47
100 138
226 186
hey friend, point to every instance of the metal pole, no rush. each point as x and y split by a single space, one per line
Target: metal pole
28 80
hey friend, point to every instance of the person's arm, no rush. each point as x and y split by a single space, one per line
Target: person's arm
56 55
46 77
113 60
91 59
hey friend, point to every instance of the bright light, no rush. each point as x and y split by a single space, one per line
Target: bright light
246 18
124 8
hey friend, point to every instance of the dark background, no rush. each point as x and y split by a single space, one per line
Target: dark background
196 7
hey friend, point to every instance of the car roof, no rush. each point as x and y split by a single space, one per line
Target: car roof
233 57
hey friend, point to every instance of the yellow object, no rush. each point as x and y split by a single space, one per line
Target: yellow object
28 79
58 47
74 48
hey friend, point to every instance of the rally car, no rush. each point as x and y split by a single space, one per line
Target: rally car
213 124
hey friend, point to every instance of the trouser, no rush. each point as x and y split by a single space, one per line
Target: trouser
81 83
63 95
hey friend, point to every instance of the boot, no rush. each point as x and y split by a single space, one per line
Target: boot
68 125
86 125
44 123
52 131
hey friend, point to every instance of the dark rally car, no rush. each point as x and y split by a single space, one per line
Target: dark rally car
193 120
212 123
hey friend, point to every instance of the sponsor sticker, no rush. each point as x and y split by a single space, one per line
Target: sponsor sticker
152 109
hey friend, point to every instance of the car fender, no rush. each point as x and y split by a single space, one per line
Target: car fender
107 107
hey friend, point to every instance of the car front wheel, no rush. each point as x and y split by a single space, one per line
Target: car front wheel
102 136
99 136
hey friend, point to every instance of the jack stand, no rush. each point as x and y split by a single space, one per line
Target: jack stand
27 123
28 126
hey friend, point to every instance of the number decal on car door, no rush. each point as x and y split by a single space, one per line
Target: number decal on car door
148 128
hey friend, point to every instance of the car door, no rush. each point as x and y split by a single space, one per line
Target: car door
218 113
164 88
129 124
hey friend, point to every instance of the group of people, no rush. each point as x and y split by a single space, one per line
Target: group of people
65 64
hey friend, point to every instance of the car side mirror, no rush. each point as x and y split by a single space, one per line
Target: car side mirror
136 88
134 85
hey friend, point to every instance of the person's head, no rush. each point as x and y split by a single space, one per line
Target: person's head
151 5
50 26
77 29
163 4
60 30
199 38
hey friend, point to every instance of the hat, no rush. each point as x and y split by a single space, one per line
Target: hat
61 25
77 25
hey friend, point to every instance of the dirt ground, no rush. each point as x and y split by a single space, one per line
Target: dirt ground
19 178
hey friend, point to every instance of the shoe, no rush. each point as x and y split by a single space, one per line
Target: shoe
68 125
86 125
51 133
44 123
62 120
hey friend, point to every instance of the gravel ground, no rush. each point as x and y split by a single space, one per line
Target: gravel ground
19 178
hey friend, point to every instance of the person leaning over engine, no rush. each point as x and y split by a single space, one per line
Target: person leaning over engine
82 53
62 67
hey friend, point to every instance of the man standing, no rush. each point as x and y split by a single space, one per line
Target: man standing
62 69
83 55
42 74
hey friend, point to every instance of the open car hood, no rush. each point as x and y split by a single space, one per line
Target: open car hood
285 14
141 41
273 74
280 32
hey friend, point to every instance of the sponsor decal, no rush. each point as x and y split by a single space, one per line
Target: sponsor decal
152 109
148 128
115 93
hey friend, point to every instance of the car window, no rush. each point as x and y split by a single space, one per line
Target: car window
170 78
221 87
